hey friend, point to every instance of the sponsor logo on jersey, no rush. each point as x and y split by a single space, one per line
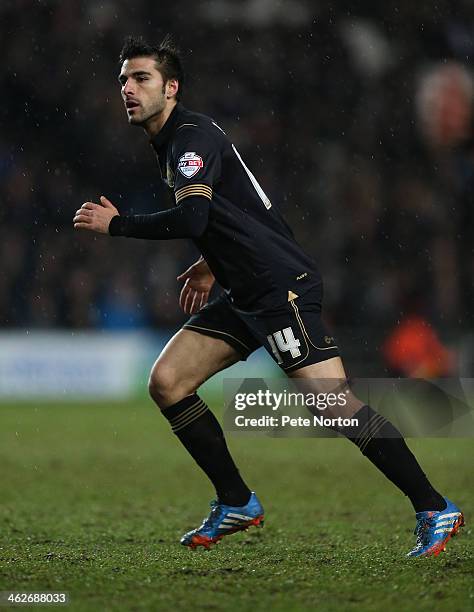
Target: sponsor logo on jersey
189 164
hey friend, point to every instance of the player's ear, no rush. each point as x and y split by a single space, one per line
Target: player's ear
172 86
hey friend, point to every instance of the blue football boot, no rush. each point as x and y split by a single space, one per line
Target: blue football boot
224 520
435 528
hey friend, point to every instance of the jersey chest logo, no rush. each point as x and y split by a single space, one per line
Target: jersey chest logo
189 164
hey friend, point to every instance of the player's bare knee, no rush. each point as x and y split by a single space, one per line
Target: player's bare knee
160 383
166 386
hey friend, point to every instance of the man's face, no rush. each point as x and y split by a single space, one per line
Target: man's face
143 90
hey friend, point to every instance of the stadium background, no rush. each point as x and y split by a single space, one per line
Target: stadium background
358 123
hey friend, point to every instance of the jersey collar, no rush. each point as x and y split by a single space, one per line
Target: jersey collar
164 135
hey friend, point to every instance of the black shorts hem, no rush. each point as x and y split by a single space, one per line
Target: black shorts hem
234 342
314 357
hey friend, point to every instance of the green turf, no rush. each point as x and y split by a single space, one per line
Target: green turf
95 498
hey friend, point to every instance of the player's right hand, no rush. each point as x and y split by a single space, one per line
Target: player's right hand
198 284
95 217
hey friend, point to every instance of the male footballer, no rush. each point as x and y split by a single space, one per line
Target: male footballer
272 297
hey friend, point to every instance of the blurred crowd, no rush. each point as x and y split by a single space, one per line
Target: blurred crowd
358 123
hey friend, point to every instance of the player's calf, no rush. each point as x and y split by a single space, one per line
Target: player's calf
383 444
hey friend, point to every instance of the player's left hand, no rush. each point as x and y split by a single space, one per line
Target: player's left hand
198 284
95 217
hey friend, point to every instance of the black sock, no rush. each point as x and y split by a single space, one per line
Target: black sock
199 431
385 447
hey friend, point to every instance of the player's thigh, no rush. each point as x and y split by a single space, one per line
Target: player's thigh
329 377
327 369
188 360
212 339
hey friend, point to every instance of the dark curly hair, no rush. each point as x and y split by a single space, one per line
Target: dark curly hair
166 54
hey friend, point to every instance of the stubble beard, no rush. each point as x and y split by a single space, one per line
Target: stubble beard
146 115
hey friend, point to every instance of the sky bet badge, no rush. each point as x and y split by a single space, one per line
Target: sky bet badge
189 164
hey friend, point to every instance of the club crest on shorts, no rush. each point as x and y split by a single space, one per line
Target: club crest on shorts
189 164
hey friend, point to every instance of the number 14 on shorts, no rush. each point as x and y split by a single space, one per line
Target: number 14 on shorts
283 341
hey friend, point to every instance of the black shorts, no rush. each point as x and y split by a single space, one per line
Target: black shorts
293 334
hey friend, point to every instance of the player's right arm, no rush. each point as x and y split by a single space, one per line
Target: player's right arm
197 166
189 220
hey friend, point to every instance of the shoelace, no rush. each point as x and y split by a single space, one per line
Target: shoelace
421 529
213 516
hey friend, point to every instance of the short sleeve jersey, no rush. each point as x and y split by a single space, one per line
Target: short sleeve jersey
247 243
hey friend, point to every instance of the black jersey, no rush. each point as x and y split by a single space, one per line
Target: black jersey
247 244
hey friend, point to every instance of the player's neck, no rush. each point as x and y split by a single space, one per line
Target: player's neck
155 123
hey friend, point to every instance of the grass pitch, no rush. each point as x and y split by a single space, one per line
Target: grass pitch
95 497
